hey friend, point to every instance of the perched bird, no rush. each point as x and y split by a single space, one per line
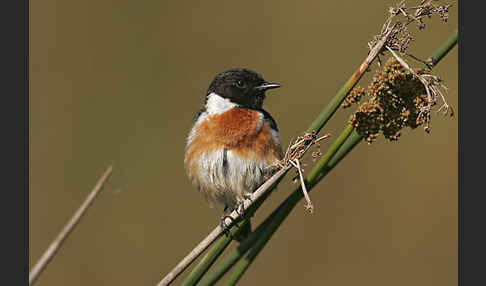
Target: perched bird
233 140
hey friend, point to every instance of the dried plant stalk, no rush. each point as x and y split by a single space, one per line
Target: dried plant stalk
68 228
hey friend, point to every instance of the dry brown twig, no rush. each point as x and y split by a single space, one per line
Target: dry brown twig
299 147
397 35
309 207
295 151
68 228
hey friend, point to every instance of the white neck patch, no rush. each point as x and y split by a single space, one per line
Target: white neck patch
217 104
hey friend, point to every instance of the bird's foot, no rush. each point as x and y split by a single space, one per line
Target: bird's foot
222 224
247 197
240 206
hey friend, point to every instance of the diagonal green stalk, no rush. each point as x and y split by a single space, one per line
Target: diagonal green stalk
317 173
211 256
336 101
444 49
234 255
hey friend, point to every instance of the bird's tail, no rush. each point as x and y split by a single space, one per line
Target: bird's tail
244 232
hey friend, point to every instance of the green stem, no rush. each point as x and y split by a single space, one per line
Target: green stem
234 255
321 164
218 247
320 170
444 49
336 101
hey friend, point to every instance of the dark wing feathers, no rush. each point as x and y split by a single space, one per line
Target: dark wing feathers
196 116
268 118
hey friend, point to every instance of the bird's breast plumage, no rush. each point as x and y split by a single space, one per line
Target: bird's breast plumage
227 154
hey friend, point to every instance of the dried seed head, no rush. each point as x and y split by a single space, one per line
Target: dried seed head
354 96
397 100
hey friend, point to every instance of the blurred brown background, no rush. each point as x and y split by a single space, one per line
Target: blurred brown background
118 82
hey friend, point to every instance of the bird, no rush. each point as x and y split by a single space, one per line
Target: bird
233 142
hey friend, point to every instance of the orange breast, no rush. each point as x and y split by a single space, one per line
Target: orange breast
241 130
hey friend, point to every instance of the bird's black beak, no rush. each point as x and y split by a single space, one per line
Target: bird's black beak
267 85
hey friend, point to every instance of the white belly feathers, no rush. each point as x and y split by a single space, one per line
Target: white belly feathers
226 178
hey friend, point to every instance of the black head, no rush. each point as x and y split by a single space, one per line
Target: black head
241 86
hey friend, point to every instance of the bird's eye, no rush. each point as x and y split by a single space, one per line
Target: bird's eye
240 84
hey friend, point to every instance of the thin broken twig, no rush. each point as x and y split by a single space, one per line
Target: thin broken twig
68 228
309 207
